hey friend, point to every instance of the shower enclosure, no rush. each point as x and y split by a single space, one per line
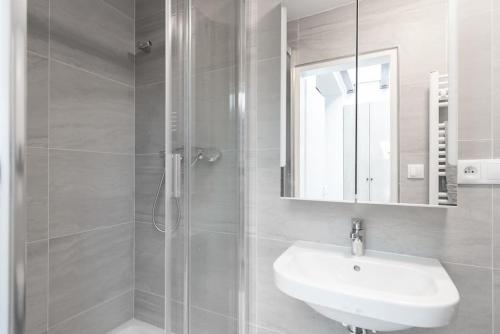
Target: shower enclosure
134 165
206 252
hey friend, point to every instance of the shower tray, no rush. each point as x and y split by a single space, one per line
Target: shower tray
136 327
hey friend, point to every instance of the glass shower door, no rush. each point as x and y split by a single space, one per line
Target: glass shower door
204 251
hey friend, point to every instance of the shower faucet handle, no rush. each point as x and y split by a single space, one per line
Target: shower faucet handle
176 175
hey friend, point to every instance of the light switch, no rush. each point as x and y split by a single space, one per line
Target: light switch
416 171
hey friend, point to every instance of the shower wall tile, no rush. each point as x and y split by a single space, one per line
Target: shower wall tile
87 269
474 149
38 26
36 287
215 122
205 322
496 300
269 33
475 60
149 303
496 226
414 192
150 67
100 319
215 194
37 178
395 23
413 120
37 101
317 31
90 113
496 80
268 104
91 64
145 8
149 308
214 272
93 36
176 260
148 172
149 259
89 190
260 330
214 35
150 118
124 6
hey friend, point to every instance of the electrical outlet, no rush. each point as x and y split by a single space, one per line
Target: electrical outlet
469 171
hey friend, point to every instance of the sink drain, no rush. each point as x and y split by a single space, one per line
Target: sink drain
357 268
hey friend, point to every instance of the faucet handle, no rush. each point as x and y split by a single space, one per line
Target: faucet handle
357 224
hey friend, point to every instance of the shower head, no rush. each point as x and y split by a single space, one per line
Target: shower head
145 46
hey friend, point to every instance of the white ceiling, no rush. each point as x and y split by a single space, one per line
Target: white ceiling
301 8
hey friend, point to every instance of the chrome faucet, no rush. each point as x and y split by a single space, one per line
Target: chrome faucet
357 242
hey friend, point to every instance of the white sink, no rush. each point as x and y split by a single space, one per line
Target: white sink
378 291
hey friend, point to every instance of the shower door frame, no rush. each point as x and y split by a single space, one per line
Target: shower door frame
13 78
184 27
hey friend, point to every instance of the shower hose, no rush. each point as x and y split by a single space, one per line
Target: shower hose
157 226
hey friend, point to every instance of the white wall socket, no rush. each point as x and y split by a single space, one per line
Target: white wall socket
483 171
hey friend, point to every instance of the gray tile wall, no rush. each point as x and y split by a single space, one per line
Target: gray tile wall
215 207
465 239
149 280
80 165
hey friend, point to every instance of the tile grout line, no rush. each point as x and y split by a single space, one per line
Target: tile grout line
118 10
99 228
89 151
149 84
149 293
200 308
34 53
134 160
120 294
49 56
61 62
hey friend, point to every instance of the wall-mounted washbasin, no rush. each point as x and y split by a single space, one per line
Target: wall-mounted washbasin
378 291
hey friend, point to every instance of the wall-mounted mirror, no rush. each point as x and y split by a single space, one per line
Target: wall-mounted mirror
377 124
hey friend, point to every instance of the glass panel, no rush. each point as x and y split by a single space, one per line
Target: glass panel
210 163
407 115
176 241
317 86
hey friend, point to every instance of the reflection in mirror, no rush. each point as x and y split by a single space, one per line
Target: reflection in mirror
377 127
318 118
423 127
326 129
396 141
